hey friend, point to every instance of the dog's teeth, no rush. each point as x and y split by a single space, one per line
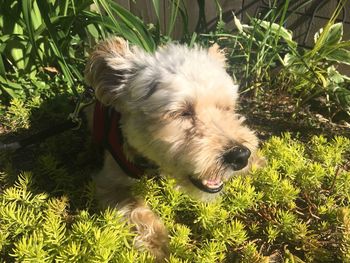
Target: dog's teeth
212 183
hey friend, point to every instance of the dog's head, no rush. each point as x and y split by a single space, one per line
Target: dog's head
178 110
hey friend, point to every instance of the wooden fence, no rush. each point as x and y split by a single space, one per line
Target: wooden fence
304 22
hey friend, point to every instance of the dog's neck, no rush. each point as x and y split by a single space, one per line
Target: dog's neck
107 133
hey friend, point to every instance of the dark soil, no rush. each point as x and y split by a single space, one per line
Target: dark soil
275 113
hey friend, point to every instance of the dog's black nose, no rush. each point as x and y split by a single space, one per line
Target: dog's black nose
237 157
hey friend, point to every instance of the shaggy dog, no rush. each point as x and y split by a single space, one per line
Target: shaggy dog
177 112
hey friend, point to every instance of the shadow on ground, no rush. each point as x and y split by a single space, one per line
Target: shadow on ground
62 164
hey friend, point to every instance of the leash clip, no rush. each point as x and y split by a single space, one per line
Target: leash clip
85 99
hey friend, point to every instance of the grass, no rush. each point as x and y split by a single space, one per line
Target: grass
294 210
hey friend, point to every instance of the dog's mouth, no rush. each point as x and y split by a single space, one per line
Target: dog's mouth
210 186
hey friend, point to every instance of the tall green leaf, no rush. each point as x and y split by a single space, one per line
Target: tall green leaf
26 11
173 15
156 5
45 11
134 26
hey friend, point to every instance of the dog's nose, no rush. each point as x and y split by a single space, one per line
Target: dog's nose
237 157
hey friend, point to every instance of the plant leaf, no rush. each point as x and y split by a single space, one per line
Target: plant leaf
343 97
238 23
2 67
339 55
27 14
334 35
107 8
335 76
11 88
45 13
173 15
277 29
133 26
156 5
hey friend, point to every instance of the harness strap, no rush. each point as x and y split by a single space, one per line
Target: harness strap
107 132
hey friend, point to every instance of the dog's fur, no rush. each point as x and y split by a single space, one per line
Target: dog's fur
177 110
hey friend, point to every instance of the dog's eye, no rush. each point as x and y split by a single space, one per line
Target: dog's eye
186 113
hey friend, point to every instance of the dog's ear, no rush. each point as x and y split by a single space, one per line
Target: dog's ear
218 54
108 69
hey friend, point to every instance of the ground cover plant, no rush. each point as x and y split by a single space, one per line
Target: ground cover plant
296 209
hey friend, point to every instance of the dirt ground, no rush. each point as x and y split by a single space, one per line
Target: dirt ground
276 113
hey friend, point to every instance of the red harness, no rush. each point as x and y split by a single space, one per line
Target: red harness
107 132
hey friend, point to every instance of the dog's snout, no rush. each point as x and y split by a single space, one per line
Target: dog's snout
237 157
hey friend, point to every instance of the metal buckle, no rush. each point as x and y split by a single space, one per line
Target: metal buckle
85 99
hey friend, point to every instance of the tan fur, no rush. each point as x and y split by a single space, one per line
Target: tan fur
217 53
152 234
178 111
